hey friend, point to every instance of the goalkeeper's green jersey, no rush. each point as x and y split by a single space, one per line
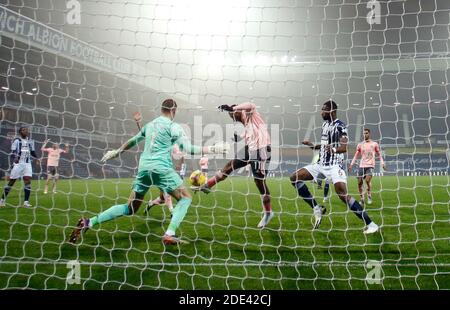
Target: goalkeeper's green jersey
160 135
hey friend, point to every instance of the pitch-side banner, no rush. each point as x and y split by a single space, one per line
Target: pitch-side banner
22 28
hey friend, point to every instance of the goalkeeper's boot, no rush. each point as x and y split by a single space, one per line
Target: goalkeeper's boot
82 226
173 240
2 203
318 211
266 219
27 204
371 228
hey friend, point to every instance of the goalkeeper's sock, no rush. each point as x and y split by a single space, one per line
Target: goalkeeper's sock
179 212
359 211
27 191
110 214
303 192
6 190
326 189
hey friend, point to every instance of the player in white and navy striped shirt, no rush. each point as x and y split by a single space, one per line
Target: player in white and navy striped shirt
22 149
333 146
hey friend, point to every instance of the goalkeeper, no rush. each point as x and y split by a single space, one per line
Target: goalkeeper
257 154
155 168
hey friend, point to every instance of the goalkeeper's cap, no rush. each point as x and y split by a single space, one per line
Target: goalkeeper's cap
168 105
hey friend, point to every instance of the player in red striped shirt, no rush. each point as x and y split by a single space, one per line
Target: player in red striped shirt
257 154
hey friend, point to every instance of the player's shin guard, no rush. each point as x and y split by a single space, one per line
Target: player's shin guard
6 190
27 191
303 192
359 211
110 214
179 212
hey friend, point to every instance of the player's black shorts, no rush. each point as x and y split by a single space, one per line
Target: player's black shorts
258 160
52 170
363 172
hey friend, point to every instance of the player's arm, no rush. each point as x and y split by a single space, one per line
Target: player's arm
247 107
15 151
33 153
126 146
311 145
138 119
343 142
378 153
43 148
180 138
355 157
342 148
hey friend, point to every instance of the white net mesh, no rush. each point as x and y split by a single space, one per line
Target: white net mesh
75 71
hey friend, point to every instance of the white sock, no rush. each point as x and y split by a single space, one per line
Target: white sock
170 232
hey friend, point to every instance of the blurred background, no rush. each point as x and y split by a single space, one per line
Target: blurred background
75 71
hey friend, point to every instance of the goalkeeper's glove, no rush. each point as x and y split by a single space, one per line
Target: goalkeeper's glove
219 148
110 155
226 107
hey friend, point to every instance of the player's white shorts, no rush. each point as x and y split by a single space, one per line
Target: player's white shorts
21 170
334 173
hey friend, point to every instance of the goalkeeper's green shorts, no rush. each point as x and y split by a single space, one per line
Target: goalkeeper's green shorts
167 181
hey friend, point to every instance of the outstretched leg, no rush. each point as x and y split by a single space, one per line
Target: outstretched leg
341 191
298 179
368 180
265 200
27 191
326 190
179 212
130 208
55 180
6 191
221 175
361 189
49 177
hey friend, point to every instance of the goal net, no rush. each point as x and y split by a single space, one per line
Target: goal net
74 72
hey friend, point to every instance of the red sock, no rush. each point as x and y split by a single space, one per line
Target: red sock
211 182
267 206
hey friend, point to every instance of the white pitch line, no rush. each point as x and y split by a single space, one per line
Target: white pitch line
224 264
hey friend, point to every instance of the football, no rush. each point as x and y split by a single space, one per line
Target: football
197 178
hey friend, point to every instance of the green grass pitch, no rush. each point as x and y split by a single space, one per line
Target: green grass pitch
226 250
